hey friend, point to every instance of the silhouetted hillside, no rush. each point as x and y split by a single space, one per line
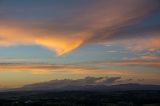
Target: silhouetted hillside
80 98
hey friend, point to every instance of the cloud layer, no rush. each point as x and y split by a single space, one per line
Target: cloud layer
148 60
59 68
96 22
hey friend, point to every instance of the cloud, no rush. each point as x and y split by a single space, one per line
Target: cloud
97 22
43 68
150 57
146 61
105 80
59 68
82 70
13 33
77 82
148 41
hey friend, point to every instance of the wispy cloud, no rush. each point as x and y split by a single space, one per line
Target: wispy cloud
62 68
90 70
97 22
151 61
146 41
150 57
75 71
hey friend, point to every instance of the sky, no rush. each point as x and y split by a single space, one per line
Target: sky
43 40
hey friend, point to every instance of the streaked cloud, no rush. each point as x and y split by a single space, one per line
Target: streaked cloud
74 71
152 61
99 21
90 70
148 43
150 57
13 33
58 68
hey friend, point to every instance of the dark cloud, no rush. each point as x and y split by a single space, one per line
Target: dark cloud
78 82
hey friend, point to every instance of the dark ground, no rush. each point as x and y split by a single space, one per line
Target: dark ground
80 98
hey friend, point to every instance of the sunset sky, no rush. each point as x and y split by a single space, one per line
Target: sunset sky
43 40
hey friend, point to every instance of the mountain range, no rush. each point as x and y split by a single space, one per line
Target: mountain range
87 84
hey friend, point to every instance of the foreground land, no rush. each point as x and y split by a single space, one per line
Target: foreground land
80 98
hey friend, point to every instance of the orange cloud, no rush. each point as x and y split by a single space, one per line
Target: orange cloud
18 33
61 45
62 68
84 28
71 70
80 71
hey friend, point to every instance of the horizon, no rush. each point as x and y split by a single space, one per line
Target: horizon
92 84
